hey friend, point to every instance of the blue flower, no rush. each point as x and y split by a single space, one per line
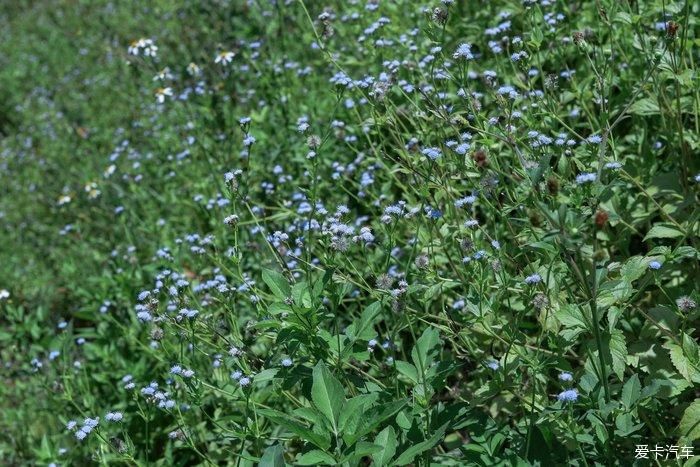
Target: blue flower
533 279
435 214
464 51
565 376
654 265
570 395
585 177
432 153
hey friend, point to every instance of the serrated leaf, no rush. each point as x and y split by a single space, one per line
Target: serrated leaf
682 363
327 394
571 316
618 351
631 391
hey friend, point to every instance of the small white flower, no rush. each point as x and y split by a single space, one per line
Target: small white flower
224 57
162 93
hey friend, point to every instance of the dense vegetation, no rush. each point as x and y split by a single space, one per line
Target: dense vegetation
349 232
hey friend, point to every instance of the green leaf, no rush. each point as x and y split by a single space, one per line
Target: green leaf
316 457
612 292
327 394
663 231
285 421
273 456
634 268
571 316
362 328
373 418
265 375
302 295
685 252
408 370
618 352
409 454
277 283
682 363
645 106
690 423
353 410
631 391
424 350
361 449
387 440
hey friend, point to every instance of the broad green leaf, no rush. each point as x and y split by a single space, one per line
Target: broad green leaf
423 352
362 329
327 394
301 294
284 420
645 106
408 370
690 348
277 284
682 363
360 450
572 316
265 375
618 351
373 418
634 268
663 231
409 454
612 292
387 440
273 456
353 410
316 457
625 424
631 391
690 423
685 252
